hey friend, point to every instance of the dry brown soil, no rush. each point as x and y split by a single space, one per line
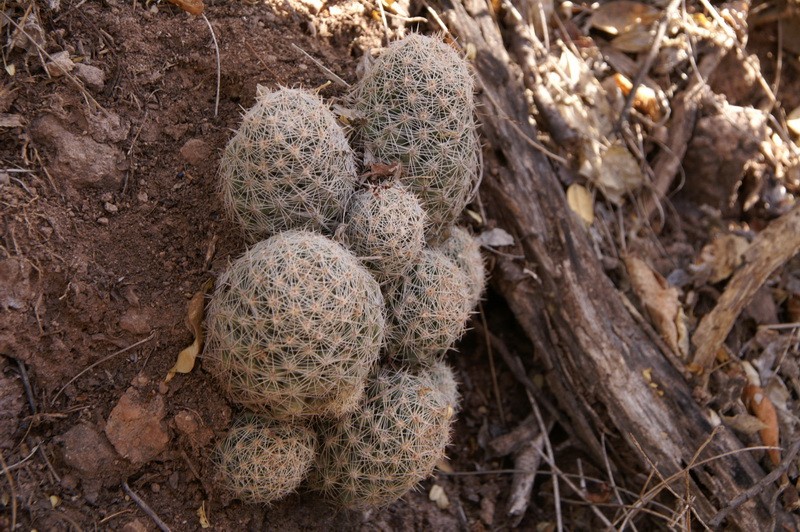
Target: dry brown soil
109 224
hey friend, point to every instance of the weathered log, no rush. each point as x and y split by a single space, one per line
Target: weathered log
596 355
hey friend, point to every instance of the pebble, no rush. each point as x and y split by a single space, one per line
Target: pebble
102 221
135 321
91 75
135 427
134 526
60 64
87 452
111 208
195 151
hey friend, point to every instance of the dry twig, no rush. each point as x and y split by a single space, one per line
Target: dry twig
758 486
219 69
109 357
145 508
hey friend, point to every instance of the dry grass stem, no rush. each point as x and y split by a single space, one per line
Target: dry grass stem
104 359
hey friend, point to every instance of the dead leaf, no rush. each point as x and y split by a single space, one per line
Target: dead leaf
195 7
721 257
793 121
661 303
438 495
645 101
635 41
602 495
619 173
744 423
494 238
580 200
194 320
201 514
620 16
760 406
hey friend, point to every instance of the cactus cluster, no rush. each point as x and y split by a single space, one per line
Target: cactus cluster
463 249
428 309
262 461
289 166
385 226
416 103
295 326
393 441
344 276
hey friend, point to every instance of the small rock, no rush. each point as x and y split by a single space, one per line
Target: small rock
4 178
195 151
15 284
193 428
102 220
140 381
111 208
142 196
106 197
134 321
134 526
135 427
176 131
487 511
78 160
91 75
90 454
60 64
69 481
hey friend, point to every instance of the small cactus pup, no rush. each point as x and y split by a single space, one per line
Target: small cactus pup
261 461
462 248
428 309
294 327
393 441
289 166
417 108
385 227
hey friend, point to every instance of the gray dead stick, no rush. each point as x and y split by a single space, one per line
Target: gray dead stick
772 248
527 459
145 508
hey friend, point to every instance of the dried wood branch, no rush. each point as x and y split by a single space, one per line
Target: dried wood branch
772 248
594 353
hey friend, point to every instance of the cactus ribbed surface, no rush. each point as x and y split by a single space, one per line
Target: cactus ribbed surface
261 461
394 440
289 166
385 226
294 327
417 106
428 309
